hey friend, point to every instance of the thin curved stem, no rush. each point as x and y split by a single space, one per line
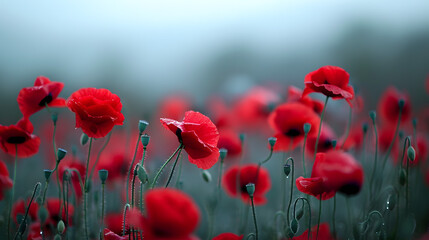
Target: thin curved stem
303 154
320 126
99 154
131 167
126 207
393 140
333 216
85 200
163 166
375 157
254 217
291 188
320 213
309 211
26 211
173 168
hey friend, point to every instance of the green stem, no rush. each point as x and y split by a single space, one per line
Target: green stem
375 157
309 211
393 140
131 166
349 213
163 166
13 191
102 209
133 184
320 213
26 211
291 189
179 174
85 200
173 168
320 126
349 123
254 217
99 154
303 154
126 207
333 216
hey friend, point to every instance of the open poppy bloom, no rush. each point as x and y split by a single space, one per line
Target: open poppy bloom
324 233
5 181
230 140
97 111
389 106
333 171
331 81
288 121
19 136
199 137
295 95
247 174
170 215
20 206
44 92
228 236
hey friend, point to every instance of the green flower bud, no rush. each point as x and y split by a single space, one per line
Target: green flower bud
142 126
286 169
61 227
83 139
294 225
57 237
391 202
402 177
411 153
103 174
223 152
206 176
415 122
365 128
48 173
334 143
242 137
54 117
43 214
401 134
307 128
300 213
272 141
373 115
401 103
88 185
61 153
250 187
142 174
145 140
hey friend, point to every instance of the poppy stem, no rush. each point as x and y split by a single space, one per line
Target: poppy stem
13 192
393 141
173 168
21 228
124 225
179 174
86 189
291 188
303 153
304 200
254 216
349 213
373 116
320 213
163 166
407 142
133 184
349 123
99 153
333 216
320 126
131 167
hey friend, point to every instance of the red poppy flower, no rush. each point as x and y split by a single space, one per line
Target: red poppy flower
69 164
331 81
334 171
97 111
53 207
170 215
389 106
20 206
117 163
324 233
295 95
5 181
110 235
288 121
220 113
325 141
248 174
230 140
355 138
114 222
199 137
228 236
44 92
421 148
19 135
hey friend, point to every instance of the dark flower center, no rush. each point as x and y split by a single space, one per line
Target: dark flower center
16 140
326 82
179 135
293 132
350 188
243 189
46 100
327 144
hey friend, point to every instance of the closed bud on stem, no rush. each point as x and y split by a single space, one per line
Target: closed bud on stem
142 126
286 169
401 103
61 227
411 153
103 174
414 122
206 176
54 117
83 139
307 127
61 153
48 173
373 116
42 214
223 152
294 225
402 177
401 134
334 143
250 187
145 140
365 128
57 237
391 202
142 174
242 137
272 141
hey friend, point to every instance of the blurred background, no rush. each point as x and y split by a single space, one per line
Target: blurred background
145 50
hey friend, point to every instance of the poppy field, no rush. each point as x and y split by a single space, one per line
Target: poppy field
312 161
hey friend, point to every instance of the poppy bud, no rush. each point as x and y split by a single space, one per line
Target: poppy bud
145 140
300 213
411 153
401 134
391 202
334 143
206 176
307 127
54 117
48 173
142 126
372 115
272 141
242 137
364 128
250 187
402 177
61 153
103 174
223 153
415 122
142 174
401 103
294 225
43 214
88 185
61 227
286 169
57 237
83 139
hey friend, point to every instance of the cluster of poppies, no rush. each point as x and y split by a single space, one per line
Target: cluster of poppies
153 204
